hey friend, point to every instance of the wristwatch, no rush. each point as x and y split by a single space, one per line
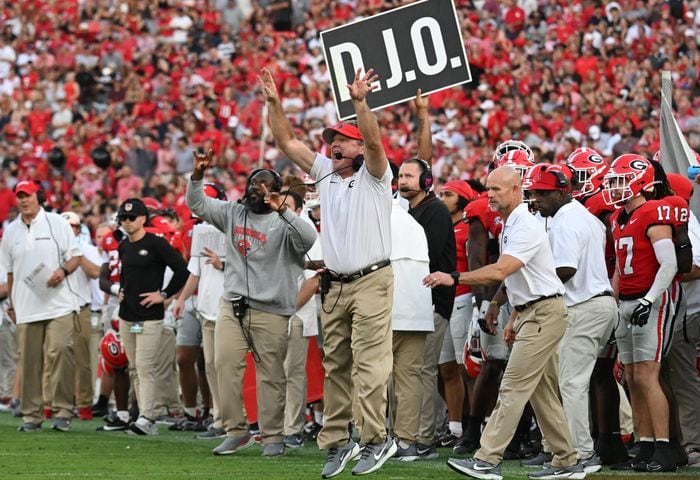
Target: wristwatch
455 277
163 294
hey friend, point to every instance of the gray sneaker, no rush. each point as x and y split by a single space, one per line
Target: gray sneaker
408 454
591 464
473 467
29 427
62 424
373 457
537 461
338 457
294 441
211 433
273 450
233 444
574 472
426 452
144 426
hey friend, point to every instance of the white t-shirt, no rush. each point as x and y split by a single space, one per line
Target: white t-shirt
32 254
577 239
211 280
79 282
524 238
355 215
692 289
413 302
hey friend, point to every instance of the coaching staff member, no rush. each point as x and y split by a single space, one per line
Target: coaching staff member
526 269
144 257
356 242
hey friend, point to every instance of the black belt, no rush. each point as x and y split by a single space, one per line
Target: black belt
602 294
360 273
525 306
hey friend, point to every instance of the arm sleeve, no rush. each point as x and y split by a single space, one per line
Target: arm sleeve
210 209
666 256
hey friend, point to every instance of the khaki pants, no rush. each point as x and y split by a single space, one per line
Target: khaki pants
680 369
357 332
531 375
268 333
168 399
8 357
208 341
590 326
47 345
428 374
295 371
408 348
142 350
82 333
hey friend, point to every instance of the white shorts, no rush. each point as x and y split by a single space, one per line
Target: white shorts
458 332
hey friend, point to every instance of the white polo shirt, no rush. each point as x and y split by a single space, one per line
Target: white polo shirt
524 238
577 239
32 253
79 281
211 280
692 289
355 217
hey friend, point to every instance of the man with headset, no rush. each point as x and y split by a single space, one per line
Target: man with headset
356 241
264 240
38 252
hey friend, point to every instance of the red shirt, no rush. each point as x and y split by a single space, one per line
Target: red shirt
461 237
479 210
110 246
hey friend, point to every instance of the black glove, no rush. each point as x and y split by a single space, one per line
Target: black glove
640 315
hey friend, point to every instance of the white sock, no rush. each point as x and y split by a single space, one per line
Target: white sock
123 415
456 429
318 417
191 411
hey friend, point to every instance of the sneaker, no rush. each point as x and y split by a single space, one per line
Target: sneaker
408 454
211 433
186 423
231 445
311 431
338 457
465 446
113 424
476 468
426 452
693 458
273 450
29 427
294 441
99 410
62 424
591 464
85 413
144 426
373 457
611 450
537 461
166 419
574 471
448 440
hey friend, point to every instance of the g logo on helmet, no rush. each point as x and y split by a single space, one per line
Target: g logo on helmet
595 158
638 165
113 349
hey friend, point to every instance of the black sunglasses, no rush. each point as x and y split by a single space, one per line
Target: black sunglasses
130 218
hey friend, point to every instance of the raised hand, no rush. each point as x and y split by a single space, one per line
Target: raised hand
202 161
267 85
273 199
421 101
362 84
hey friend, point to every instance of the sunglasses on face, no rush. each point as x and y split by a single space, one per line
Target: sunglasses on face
128 218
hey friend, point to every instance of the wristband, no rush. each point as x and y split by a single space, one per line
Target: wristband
65 271
114 289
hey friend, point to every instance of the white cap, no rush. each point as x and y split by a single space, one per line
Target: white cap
594 132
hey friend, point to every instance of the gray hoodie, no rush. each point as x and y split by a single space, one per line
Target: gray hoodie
264 252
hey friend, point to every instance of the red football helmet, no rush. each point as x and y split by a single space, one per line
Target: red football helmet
113 350
630 175
471 357
105 367
589 168
514 154
114 323
619 372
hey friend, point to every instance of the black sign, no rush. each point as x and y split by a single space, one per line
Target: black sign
415 46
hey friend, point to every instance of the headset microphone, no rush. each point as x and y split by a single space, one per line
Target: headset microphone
404 189
338 155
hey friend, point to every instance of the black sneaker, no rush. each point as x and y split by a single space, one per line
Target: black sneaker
465 446
100 410
186 423
426 452
113 424
448 440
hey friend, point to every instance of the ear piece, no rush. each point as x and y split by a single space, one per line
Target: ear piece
425 181
357 162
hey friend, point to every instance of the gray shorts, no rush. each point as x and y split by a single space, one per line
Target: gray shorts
457 333
189 328
493 347
651 341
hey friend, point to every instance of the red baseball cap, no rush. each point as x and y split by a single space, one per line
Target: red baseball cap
26 186
461 188
543 177
347 129
681 185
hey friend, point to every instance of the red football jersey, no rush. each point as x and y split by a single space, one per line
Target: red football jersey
461 237
636 259
672 209
479 210
110 246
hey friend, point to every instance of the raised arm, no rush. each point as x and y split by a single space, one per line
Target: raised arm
281 129
425 137
375 158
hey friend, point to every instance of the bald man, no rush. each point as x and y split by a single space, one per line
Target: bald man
525 270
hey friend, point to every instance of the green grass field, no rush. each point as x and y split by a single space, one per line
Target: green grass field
85 453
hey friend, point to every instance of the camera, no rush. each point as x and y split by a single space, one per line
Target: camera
240 306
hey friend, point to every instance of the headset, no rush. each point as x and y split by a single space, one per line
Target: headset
40 194
562 181
425 181
276 187
357 162
218 190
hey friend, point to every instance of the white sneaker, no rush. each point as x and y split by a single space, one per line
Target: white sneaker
144 426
